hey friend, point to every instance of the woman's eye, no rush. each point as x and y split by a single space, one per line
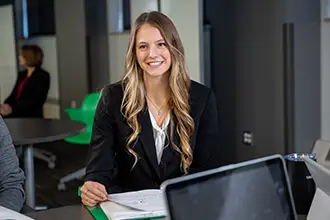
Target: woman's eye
143 46
162 44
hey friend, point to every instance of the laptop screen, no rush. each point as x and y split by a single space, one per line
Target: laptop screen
257 191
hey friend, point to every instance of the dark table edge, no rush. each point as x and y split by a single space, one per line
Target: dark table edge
50 138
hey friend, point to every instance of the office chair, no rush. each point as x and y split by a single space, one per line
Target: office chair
85 115
46 156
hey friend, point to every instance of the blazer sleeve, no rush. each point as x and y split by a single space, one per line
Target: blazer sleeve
36 96
207 150
101 154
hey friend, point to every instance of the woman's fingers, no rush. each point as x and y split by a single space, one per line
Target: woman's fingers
99 190
88 202
94 196
102 191
92 193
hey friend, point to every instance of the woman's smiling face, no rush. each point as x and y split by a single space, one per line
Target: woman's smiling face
152 52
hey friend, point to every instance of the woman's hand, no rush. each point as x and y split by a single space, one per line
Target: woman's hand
5 109
93 193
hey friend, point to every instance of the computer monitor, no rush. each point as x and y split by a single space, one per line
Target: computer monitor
258 189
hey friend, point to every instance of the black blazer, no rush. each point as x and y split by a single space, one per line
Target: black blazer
33 95
109 162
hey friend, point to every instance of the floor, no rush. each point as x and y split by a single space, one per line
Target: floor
70 158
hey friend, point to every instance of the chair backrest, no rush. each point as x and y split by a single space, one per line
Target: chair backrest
90 101
88 119
89 106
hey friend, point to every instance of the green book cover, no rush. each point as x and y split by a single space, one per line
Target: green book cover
98 214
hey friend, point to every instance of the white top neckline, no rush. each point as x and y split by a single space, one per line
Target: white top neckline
160 134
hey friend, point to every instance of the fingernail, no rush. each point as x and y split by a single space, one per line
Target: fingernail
109 197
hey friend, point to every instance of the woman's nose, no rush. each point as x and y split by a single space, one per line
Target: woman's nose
153 52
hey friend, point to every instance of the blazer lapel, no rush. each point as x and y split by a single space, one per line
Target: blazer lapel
147 139
169 152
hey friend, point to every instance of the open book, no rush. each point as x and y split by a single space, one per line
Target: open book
10 214
135 205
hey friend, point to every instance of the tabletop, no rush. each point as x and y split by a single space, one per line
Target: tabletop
63 213
26 131
74 212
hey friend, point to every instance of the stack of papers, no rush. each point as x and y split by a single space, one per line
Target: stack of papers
133 205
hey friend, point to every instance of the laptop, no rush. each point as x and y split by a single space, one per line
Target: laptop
322 150
257 189
321 202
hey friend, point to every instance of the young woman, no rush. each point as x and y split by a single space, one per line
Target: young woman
30 91
156 123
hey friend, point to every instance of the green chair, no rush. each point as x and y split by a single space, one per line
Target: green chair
84 114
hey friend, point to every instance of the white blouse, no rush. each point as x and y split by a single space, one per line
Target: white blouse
159 135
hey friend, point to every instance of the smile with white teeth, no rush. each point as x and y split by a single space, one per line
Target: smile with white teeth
155 63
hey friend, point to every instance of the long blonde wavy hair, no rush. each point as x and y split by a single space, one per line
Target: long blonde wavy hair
179 83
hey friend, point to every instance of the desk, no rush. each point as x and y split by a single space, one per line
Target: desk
27 132
73 212
64 213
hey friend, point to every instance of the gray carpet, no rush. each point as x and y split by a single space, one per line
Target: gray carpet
70 158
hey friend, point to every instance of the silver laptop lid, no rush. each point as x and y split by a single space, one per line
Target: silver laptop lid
258 189
320 174
319 209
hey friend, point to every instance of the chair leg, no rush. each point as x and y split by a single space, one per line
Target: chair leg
45 156
72 176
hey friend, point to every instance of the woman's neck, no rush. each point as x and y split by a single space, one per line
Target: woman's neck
157 89
30 70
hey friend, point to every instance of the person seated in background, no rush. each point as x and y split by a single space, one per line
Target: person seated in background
31 88
156 124
12 195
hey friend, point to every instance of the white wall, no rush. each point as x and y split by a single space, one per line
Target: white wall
140 6
118 43
8 57
188 18
325 72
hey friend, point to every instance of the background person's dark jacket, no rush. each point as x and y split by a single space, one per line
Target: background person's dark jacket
33 95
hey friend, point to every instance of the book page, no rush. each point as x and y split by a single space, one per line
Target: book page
144 200
9 214
116 211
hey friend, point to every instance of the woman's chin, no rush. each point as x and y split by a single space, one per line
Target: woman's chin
155 73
